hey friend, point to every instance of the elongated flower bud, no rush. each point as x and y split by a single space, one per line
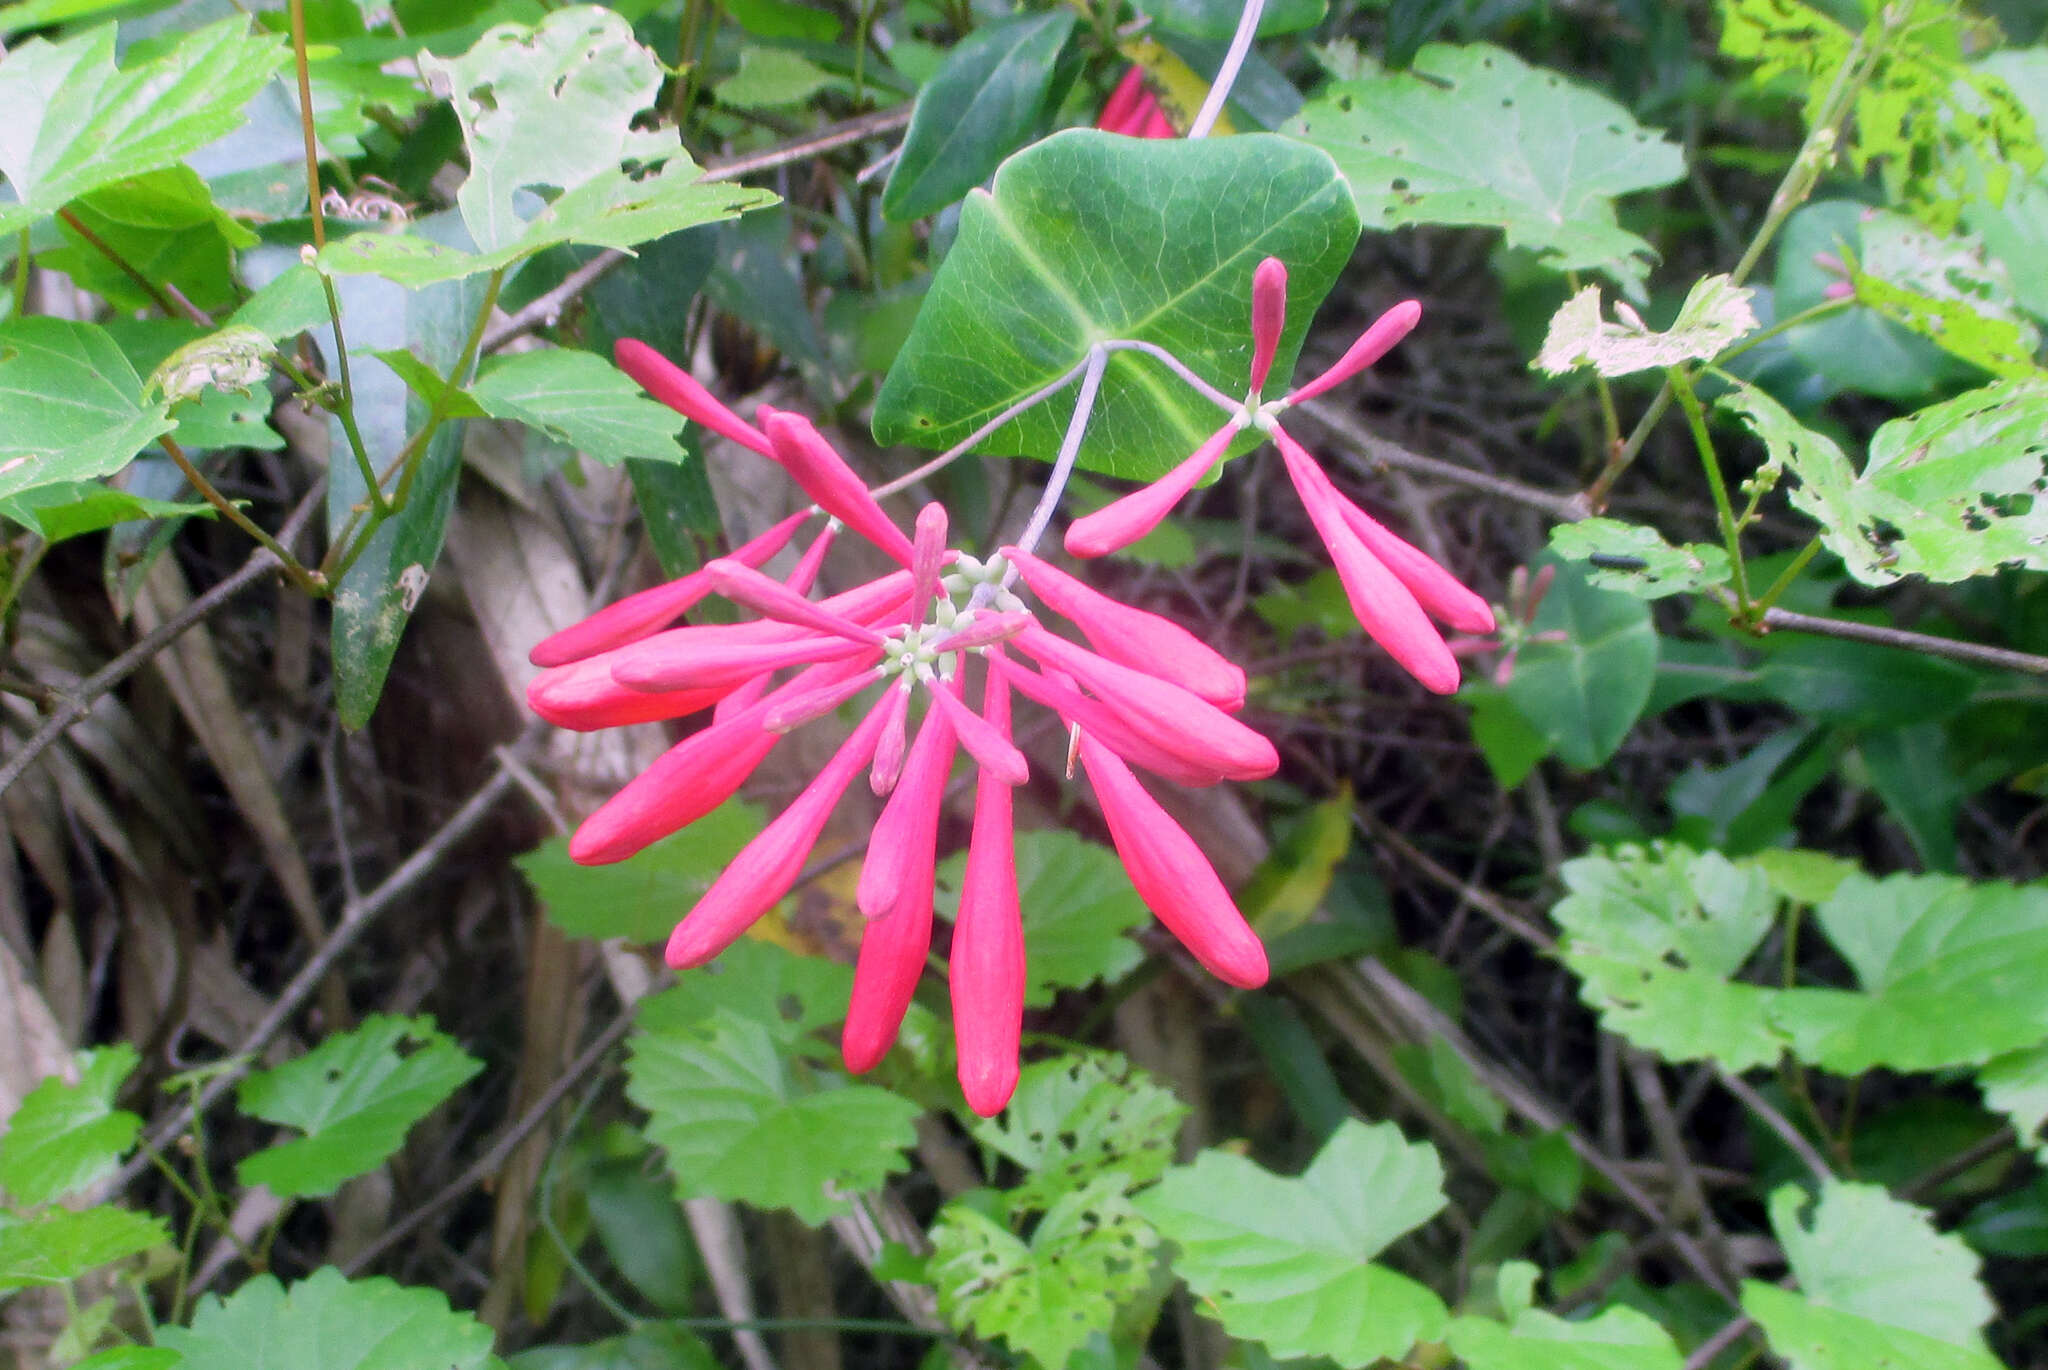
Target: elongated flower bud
682 392
826 478
889 751
690 780
1133 636
929 551
1378 340
767 866
715 663
583 697
1434 588
987 962
1384 606
1123 101
992 750
807 566
1171 875
1057 693
984 630
765 595
900 852
1269 317
1118 525
798 709
1163 713
636 616
1156 123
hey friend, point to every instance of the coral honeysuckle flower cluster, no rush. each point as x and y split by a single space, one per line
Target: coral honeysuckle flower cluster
946 644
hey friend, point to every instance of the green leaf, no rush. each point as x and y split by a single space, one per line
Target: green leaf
1860 684
1288 1262
1637 560
1075 1117
287 306
1716 312
792 996
1077 903
580 399
1218 18
77 124
1812 1337
740 1120
326 1322
1089 237
652 1346
1945 290
1473 135
2017 1086
2015 227
641 899
1090 1253
1586 692
213 381
164 225
99 426
62 1243
74 508
1866 1253
63 1136
1617 1339
133 1358
772 77
355 1096
978 107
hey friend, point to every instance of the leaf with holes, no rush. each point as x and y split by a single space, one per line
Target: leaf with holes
1715 313
1089 1254
1637 560
1077 904
1586 691
1946 290
63 1243
1864 1252
1073 1118
102 423
355 1096
62 1137
1090 237
1289 1262
327 1322
1473 135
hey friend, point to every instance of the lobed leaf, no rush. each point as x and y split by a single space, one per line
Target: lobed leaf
61 1244
1866 1253
1075 1118
71 407
1715 313
62 1137
1637 560
327 1322
640 899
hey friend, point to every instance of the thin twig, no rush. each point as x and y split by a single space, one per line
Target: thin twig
1975 654
1379 452
1731 1332
1768 1114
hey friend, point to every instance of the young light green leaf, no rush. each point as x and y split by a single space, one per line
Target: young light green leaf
641 899
355 1096
2017 1086
103 422
1074 1118
1077 904
1813 1337
1946 290
772 77
1089 1254
162 225
1473 135
740 1120
74 508
1289 1262
65 1136
1026 290
326 1322
63 1243
1584 693
1617 1339
978 108
1637 560
580 399
132 1358
75 123
1716 312
1866 1253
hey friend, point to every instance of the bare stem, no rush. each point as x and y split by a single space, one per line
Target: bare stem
306 580
1226 74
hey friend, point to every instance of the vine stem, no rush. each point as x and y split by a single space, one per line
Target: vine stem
1070 448
306 580
1696 419
1226 74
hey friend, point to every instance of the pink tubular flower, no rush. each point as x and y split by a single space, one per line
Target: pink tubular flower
826 478
1133 110
685 394
987 962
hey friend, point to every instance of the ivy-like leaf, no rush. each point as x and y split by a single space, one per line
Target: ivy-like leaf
103 422
1073 1118
64 1243
1813 1337
1474 135
1077 904
580 399
65 1136
1716 312
355 1096
326 1322
75 123
1637 560
1289 1262
1866 1253
1617 1339
641 899
1585 692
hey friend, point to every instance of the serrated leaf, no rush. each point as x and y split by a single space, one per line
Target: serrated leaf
580 399
326 1322
1811 1337
1289 1262
1091 236
1866 1253
1090 1253
1585 692
977 108
1617 1339
355 1096
740 1120
640 899
1473 135
71 407
1637 560
63 1243
1074 1118
1077 904
791 995
63 1136
1947 291
2017 1086
74 508
76 123
1715 313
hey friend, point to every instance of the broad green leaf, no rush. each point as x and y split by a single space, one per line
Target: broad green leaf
1473 135
978 108
1077 903
1218 18
1861 685
1290 884
580 399
772 77
1637 560
2015 228
1073 1118
2017 1086
1947 493
741 1120
1090 237
1511 744
1617 1339
1749 804
75 123
326 1322
287 306
1090 1253
213 381
133 1358
651 1346
785 19
355 1096
165 225
63 1243
642 899
1945 290
1586 692
791 995
1289 1262
1812 1337
1923 786
71 407
74 508
1715 313
1866 1253
64 1136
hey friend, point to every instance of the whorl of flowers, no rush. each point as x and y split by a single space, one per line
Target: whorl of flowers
944 645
